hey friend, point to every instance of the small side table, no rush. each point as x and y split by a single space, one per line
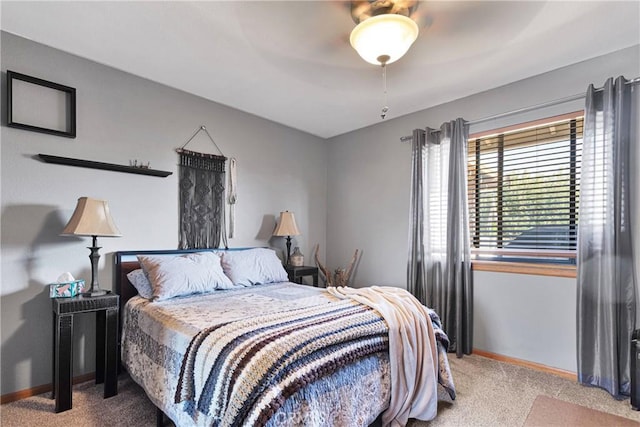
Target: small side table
106 308
297 273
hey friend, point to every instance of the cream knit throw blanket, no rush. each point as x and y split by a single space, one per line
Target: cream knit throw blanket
412 351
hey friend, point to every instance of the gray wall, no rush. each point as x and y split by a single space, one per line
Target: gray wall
352 192
123 117
527 317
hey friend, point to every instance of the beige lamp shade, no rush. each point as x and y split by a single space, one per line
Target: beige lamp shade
287 225
91 218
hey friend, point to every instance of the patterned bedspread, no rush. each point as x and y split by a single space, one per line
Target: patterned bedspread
226 358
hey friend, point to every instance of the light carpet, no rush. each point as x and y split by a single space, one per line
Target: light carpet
490 393
496 394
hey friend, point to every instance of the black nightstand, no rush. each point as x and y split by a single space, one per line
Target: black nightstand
297 273
106 308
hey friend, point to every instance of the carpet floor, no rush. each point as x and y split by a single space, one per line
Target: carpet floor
490 393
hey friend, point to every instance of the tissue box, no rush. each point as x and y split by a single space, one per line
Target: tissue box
66 289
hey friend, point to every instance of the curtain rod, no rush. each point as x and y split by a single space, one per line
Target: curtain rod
527 109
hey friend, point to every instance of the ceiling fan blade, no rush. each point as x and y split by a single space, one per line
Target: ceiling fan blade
363 9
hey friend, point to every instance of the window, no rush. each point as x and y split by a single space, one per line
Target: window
524 189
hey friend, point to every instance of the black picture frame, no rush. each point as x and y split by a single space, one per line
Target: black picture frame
69 112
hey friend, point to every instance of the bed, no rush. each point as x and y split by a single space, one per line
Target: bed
257 353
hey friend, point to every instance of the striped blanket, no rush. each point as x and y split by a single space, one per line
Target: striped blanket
241 372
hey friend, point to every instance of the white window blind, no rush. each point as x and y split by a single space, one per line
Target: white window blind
524 190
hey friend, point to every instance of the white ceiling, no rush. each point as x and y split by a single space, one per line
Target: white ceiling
291 61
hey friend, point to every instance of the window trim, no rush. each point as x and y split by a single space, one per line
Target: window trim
524 125
534 268
555 270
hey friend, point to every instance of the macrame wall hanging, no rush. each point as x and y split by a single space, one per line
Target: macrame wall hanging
233 196
202 204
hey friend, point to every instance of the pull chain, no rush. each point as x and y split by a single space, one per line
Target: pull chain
385 108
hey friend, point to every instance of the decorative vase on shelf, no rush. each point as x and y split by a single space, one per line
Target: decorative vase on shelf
296 259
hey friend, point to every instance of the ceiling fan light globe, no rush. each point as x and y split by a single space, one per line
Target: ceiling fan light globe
384 35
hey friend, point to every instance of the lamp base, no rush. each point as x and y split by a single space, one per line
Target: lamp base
95 293
288 249
94 290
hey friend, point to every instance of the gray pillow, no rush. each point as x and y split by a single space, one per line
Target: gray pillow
199 272
253 267
139 281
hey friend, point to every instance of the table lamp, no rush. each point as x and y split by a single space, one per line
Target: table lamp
287 227
92 218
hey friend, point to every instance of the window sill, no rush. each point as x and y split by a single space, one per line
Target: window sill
526 268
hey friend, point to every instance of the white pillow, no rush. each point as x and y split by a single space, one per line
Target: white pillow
253 267
139 281
170 277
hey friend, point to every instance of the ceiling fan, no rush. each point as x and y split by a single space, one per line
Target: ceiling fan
384 32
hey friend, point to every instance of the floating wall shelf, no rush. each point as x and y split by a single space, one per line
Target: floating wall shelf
100 165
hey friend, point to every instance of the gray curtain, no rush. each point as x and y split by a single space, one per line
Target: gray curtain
606 280
439 267
201 200
416 278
